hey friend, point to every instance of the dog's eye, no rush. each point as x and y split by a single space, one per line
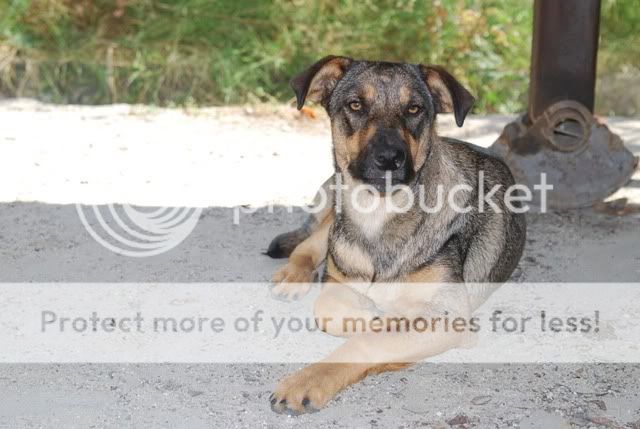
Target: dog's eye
414 110
355 106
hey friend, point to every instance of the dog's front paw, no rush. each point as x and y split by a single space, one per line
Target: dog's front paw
292 281
309 389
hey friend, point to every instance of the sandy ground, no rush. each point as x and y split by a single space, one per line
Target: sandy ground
53 157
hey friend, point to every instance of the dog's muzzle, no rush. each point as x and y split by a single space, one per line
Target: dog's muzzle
386 155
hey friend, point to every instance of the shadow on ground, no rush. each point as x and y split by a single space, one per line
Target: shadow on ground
48 243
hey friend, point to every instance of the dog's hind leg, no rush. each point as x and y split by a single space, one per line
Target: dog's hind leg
282 246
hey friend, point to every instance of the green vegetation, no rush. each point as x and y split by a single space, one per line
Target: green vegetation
208 52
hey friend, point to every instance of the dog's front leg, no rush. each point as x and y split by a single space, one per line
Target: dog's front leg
342 312
294 279
313 386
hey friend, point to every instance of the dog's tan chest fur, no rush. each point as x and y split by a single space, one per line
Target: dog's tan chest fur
354 259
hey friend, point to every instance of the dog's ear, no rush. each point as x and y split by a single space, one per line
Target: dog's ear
448 94
318 81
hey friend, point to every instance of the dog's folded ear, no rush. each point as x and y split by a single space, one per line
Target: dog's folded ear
318 81
449 96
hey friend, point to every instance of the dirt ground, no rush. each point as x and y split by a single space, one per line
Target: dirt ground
52 157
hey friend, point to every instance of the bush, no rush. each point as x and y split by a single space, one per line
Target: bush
204 52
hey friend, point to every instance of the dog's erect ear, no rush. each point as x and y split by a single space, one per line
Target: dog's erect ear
317 82
448 95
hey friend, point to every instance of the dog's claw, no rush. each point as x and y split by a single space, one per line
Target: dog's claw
281 407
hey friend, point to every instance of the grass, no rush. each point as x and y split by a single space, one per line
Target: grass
212 52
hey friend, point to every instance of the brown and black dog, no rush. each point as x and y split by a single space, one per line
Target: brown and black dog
383 129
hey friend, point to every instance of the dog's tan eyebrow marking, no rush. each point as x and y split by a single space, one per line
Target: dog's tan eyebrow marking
404 94
369 92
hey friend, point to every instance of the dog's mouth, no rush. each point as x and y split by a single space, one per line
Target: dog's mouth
380 181
383 184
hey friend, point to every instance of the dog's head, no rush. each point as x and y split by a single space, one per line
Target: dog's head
382 114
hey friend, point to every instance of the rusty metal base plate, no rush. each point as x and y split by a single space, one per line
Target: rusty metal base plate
581 174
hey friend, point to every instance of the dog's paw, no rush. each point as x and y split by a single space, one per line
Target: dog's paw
292 281
308 390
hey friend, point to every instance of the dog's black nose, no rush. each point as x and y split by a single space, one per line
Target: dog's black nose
388 158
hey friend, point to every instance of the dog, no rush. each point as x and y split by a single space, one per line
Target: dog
380 263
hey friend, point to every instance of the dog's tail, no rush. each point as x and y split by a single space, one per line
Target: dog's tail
283 244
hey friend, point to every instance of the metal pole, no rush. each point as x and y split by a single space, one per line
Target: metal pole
563 58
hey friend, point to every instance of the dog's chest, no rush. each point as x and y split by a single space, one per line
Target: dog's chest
354 261
371 223
369 250
373 239
369 213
